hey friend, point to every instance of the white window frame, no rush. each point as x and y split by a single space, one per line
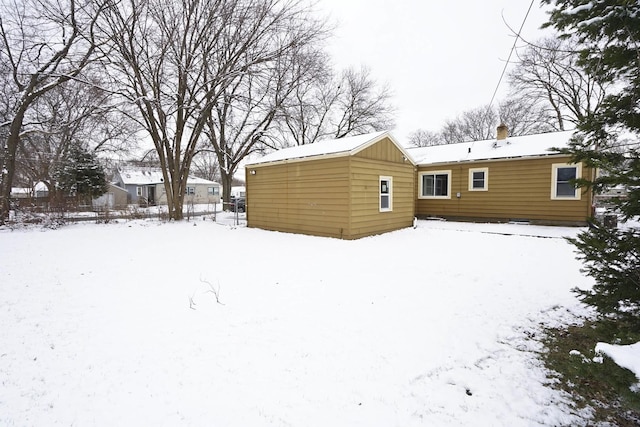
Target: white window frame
213 191
139 191
439 172
554 181
388 194
190 191
485 180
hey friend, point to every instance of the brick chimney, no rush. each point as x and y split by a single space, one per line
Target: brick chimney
502 132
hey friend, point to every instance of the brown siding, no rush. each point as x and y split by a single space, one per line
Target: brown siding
309 197
384 150
517 189
332 196
366 218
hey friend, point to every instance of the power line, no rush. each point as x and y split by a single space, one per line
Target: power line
506 64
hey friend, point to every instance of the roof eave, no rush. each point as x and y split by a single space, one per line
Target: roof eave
299 159
496 159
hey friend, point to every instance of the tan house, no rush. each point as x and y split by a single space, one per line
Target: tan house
505 179
346 188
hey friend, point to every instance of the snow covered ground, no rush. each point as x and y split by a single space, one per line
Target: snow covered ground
118 324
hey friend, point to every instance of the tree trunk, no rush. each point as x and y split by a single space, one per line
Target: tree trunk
9 165
227 180
176 213
174 199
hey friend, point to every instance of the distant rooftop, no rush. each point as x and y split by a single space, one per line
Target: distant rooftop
148 176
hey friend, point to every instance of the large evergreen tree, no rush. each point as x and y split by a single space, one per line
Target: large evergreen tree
80 174
609 36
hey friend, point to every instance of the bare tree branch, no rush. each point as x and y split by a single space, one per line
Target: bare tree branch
43 44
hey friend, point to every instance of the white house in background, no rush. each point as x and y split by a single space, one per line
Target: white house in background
239 192
21 193
146 187
39 189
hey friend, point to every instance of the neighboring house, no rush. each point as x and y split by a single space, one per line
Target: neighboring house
38 195
21 193
39 190
140 183
346 188
199 191
115 198
239 192
506 179
145 186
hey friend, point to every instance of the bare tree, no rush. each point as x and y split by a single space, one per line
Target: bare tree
43 44
548 75
205 165
305 115
179 62
520 115
362 106
523 116
77 113
246 117
335 106
425 138
473 125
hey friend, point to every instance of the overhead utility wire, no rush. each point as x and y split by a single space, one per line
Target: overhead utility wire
506 64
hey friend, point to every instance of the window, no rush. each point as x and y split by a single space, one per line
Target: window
191 191
386 194
213 191
139 191
562 187
478 179
434 185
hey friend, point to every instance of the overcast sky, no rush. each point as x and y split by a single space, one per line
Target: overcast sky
440 58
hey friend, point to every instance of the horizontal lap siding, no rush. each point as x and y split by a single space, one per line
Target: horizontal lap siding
517 189
366 169
309 197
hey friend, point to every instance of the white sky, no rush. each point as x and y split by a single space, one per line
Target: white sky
439 58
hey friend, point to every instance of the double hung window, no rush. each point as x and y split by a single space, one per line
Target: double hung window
479 179
562 181
435 185
386 194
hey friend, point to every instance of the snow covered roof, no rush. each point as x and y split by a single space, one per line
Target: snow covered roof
512 147
141 176
342 146
20 191
150 176
195 180
38 187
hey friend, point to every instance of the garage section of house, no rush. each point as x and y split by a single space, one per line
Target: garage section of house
345 188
